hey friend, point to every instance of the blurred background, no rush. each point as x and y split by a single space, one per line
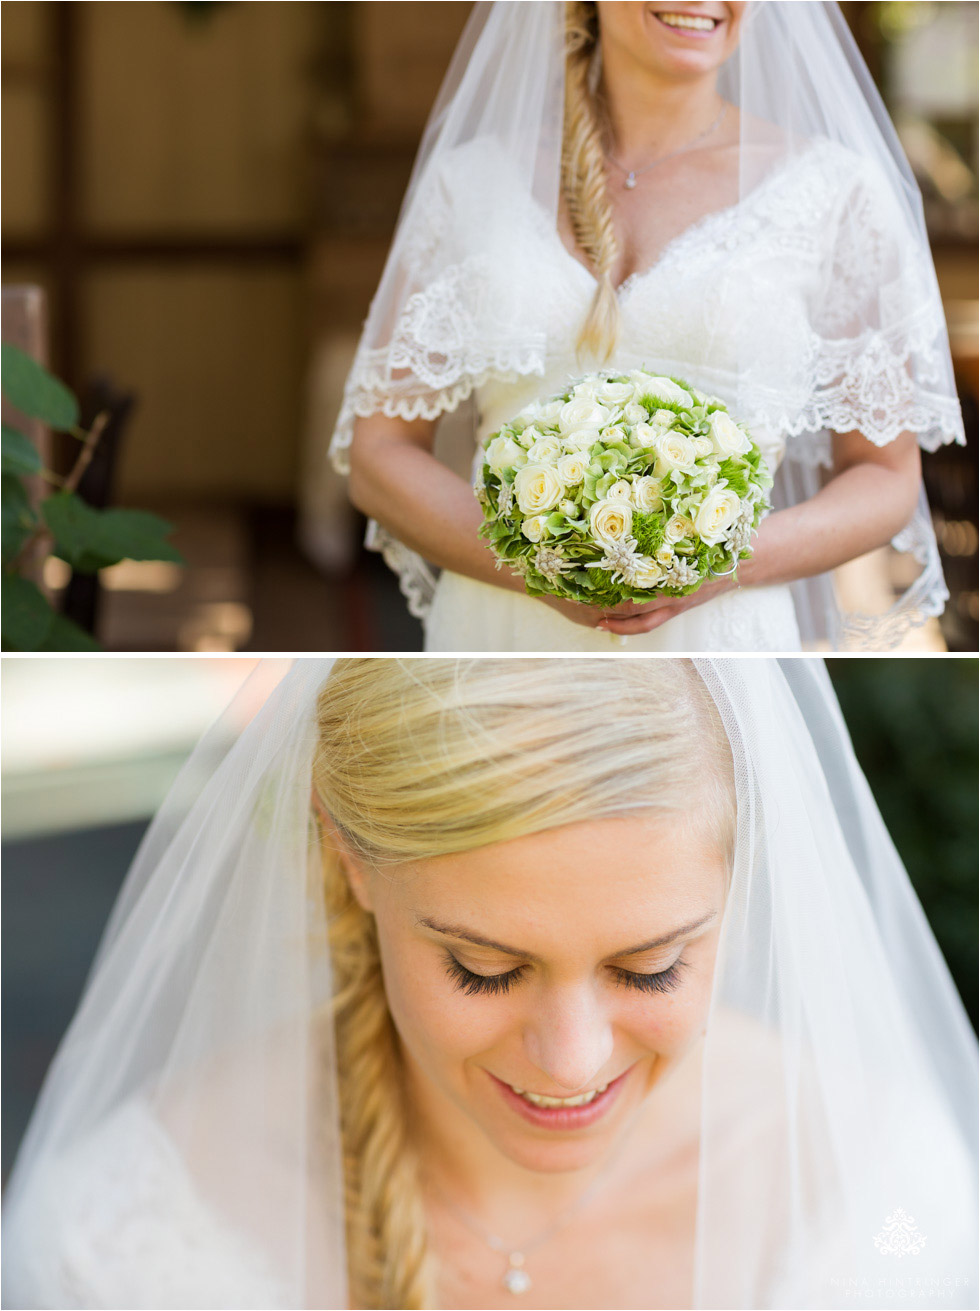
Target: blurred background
90 748
204 194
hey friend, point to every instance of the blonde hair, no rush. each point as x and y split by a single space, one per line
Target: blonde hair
583 179
419 758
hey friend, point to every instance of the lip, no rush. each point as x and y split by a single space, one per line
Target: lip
560 1117
686 32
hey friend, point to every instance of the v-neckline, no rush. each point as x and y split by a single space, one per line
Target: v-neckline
624 288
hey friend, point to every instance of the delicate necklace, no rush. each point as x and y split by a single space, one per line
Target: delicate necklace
633 173
516 1279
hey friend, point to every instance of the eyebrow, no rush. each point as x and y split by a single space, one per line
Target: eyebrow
466 935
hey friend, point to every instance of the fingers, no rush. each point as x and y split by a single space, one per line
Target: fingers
642 623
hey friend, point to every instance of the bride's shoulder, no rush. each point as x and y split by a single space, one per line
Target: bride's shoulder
118 1220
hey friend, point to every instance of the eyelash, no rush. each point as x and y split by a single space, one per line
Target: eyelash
494 984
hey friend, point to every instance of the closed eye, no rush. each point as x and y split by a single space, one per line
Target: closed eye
469 982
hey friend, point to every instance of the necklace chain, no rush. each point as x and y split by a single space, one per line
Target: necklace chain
632 174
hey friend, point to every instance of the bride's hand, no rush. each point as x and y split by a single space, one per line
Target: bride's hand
631 618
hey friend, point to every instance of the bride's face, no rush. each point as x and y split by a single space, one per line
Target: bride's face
671 40
558 965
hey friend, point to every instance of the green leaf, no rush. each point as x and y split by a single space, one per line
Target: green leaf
137 535
90 539
16 516
26 616
65 635
30 388
20 455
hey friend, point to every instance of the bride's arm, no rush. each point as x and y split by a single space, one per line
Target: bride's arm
871 497
395 479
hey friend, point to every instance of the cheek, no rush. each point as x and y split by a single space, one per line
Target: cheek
439 1026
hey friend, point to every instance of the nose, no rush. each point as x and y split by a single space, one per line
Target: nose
569 1038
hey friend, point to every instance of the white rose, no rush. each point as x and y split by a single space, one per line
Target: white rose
615 393
635 413
529 435
534 528
548 414
664 555
538 488
582 439
572 468
644 434
674 451
662 387
569 509
582 412
703 446
615 434
646 494
663 418
545 450
676 527
719 510
645 572
726 435
621 490
504 453
589 388
610 521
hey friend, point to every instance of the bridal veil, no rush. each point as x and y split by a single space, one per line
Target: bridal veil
186 1150
816 182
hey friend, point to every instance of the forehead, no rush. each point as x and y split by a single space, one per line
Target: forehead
599 885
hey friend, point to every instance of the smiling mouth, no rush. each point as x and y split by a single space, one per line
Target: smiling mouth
537 1099
686 22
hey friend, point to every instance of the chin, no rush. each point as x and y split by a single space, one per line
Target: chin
685 50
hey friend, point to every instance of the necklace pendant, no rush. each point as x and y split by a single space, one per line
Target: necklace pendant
517 1280
630 182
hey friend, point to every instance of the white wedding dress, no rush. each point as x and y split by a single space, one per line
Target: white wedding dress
730 305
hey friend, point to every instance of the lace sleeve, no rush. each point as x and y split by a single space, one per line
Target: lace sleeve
119 1223
880 352
449 313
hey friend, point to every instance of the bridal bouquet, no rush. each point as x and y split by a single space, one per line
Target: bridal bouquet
622 488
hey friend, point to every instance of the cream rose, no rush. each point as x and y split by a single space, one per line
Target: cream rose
546 450
582 412
646 495
615 393
538 487
534 527
569 509
726 435
635 413
664 555
581 439
703 446
718 512
662 387
621 490
504 453
572 468
615 434
610 521
676 527
645 572
674 451
644 434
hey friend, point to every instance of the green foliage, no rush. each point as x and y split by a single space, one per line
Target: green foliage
17 518
29 387
86 538
20 455
648 529
914 728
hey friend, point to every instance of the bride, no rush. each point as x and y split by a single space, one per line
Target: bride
539 983
712 191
